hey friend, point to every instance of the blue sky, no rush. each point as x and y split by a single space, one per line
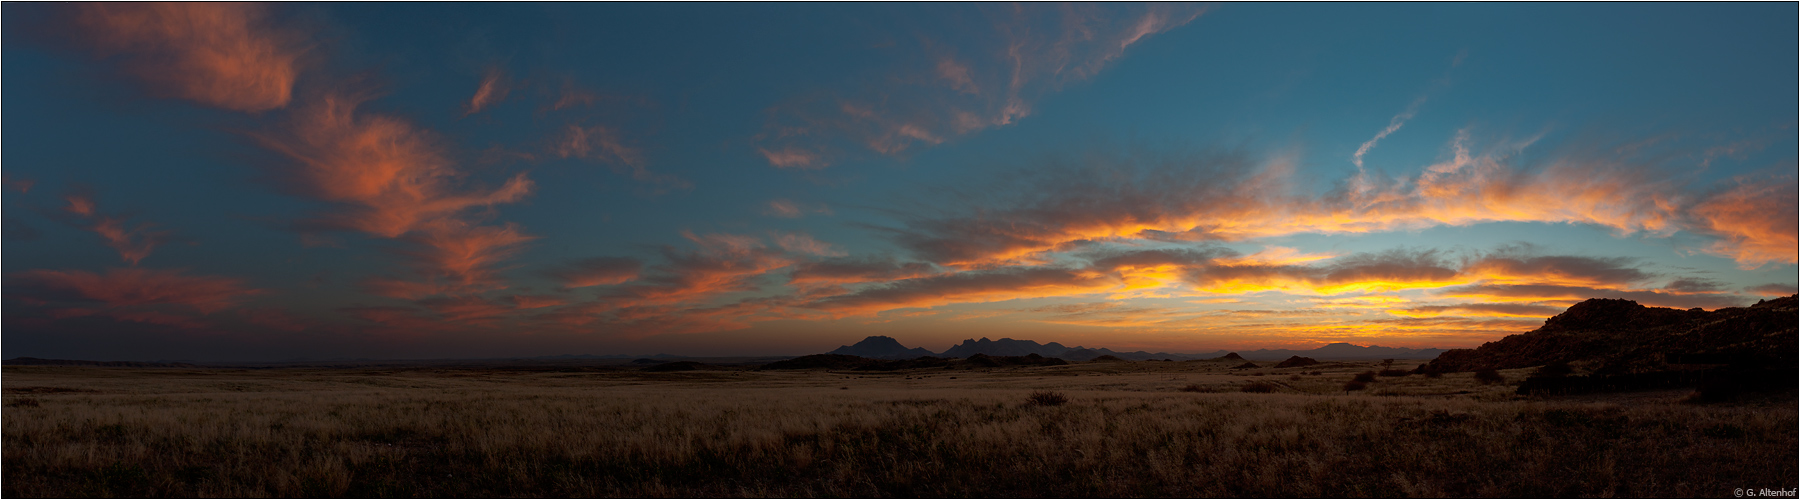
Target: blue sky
349 180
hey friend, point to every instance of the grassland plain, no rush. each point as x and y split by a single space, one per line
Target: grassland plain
1163 429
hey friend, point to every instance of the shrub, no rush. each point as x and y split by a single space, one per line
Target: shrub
1259 387
1365 377
1315 373
1198 388
24 402
1294 377
1434 375
1489 376
1394 373
1047 398
1355 385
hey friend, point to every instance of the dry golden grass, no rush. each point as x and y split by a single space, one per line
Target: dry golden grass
1128 429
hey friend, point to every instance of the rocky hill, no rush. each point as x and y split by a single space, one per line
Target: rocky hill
1609 337
882 347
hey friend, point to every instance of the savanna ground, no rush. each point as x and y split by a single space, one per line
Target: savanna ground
1160 429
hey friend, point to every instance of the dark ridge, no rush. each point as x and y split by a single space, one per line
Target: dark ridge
1607 345
678 366
1247 365
24 361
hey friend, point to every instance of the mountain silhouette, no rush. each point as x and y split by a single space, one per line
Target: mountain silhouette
882 347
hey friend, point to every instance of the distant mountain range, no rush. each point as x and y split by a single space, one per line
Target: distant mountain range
882 347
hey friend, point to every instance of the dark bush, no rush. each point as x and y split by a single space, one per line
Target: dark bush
1434 375
1355 385
1365 377
1489 376
1198 388
1247 365
1047 398
24 403
1394 373
1259 387
1315 373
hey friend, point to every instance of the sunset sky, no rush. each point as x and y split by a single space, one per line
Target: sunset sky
302 181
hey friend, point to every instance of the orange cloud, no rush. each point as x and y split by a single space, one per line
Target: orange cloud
723 263
390 177
1480 310
225 55
133 245
804 243
597 142
966 287
493 89
392 180
1756 222
23 185
792 158
597 271
784 208
1231 198
602 143
132 287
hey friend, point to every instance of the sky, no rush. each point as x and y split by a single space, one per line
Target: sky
249 182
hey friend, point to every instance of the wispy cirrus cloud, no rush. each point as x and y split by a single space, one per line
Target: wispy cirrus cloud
390 179
597 271
493 89
133 244
790 209
992 83
225 54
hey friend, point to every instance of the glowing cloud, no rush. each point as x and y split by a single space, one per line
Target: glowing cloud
804 243
390 177
597 271
1756 222
493 89
966 287
1226 198
133 245
133 287
220 54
